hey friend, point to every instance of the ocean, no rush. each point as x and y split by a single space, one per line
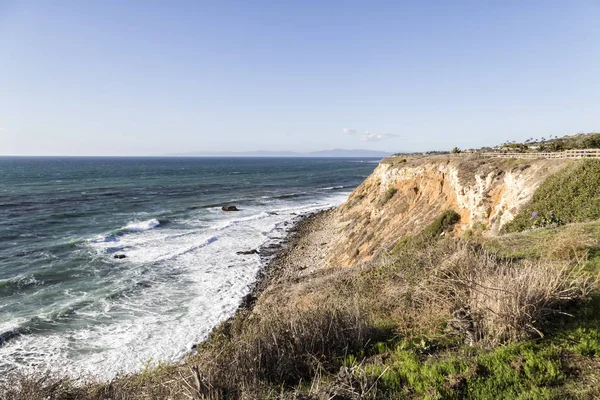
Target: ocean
68 305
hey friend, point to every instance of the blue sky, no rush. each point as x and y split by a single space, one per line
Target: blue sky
159 77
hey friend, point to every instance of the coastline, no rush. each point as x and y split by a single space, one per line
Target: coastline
311 326
288 259
301 252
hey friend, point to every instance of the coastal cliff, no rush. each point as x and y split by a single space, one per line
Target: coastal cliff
402 196
399 199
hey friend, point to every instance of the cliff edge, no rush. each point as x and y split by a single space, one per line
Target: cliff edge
403 195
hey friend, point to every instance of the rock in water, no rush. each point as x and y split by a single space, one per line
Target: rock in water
119 256
8 335
254 251
229 208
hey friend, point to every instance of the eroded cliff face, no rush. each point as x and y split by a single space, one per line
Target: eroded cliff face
402 197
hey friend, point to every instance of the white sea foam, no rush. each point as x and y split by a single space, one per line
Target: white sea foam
175 284
332 188
139 226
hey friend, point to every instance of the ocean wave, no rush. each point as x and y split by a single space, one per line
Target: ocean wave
142 297
41 324
210 206
12 285
303 194
189 249
227 224
140 226
290 195
132 227
332 188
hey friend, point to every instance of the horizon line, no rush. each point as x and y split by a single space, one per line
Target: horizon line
177 156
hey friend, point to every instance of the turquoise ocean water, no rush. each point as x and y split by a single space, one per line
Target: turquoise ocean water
66 303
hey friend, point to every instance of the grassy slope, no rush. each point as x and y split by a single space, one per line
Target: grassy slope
572 195
562 364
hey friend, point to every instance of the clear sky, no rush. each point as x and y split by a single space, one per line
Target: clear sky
116 77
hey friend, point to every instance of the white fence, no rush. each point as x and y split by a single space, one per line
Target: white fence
584 153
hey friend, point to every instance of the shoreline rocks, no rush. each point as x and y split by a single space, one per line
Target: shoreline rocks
253 251
9 335
230 208
302 251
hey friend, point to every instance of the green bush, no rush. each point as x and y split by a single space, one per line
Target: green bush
522 371
388 195
556 145
571 195
443 223
592 142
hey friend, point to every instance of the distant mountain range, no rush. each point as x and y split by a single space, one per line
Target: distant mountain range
262 153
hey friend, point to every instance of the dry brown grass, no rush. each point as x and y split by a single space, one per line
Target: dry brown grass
569 244
161 382
505 300
489 299
20 387
282 347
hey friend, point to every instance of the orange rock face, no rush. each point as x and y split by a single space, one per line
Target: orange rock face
402 197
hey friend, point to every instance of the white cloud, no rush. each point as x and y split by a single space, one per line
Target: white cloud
376 137
369 137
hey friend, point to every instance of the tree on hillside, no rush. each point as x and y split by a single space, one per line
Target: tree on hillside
592 142
556 145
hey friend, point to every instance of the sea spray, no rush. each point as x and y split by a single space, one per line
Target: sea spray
69 305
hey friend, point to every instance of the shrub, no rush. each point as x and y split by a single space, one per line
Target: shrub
504 301
572 195
556 145
591 142
545 219
442 224
284 347
388 195
574 242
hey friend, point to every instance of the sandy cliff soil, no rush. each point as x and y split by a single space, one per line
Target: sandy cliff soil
486 192
403 195
303 266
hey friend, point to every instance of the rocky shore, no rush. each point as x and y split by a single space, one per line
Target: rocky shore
302 252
